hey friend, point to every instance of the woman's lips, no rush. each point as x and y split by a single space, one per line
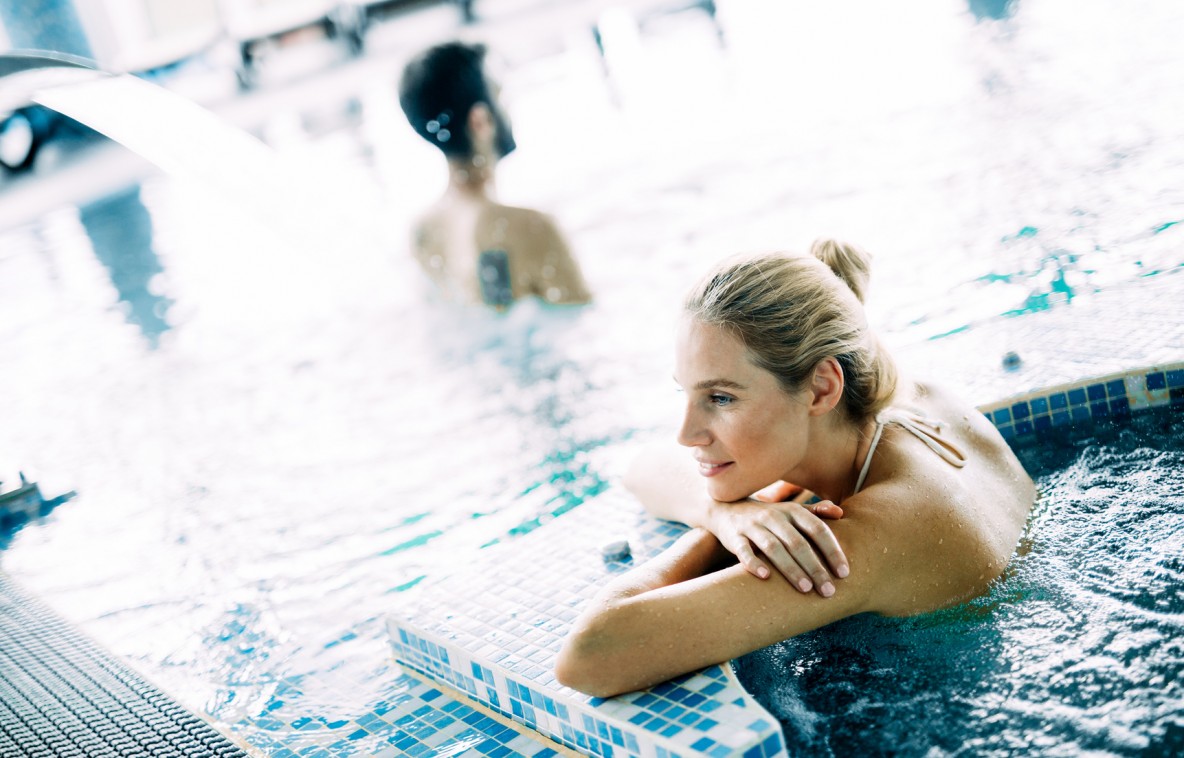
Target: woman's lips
713 469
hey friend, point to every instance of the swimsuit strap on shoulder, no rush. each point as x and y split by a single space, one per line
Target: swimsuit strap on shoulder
925 429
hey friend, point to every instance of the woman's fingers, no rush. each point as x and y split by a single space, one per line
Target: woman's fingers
791 555
777 492
823 538
825 509
749 560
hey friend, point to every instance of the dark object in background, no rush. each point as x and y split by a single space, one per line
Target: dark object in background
1011 361
493 269
22 133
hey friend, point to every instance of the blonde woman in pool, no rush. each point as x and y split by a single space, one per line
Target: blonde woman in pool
785 383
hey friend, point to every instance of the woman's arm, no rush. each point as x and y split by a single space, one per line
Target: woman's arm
788 535
685 609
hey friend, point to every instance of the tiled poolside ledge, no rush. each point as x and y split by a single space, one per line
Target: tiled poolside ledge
1109 399
492 634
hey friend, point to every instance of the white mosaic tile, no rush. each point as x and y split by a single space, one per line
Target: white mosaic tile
493 634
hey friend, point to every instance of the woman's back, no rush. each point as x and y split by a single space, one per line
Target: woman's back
945 531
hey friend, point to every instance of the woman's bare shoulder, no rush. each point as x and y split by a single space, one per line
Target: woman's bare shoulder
914 548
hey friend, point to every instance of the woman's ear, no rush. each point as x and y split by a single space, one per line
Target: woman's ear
826 386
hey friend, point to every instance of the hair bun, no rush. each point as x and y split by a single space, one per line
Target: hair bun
850 263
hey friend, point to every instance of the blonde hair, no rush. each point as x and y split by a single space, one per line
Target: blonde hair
792 311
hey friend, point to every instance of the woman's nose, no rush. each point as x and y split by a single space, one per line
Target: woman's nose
692 433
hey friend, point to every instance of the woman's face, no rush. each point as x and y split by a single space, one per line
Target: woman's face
744 430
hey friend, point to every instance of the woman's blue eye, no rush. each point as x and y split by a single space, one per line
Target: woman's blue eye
721 400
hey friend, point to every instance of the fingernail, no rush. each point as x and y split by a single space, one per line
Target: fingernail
804 585
842 571
763 573
827 589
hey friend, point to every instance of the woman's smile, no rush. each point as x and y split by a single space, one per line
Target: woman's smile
709 469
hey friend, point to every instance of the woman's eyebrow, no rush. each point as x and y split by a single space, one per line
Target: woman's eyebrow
727 384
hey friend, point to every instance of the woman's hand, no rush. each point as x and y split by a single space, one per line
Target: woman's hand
789 535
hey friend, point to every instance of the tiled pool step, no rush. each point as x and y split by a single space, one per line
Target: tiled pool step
493 633
413 719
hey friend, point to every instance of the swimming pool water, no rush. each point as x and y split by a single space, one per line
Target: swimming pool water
272 441
1078 649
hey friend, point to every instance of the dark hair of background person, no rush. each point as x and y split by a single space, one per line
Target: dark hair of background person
438 89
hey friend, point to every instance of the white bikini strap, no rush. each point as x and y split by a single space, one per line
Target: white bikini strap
922 428
871 449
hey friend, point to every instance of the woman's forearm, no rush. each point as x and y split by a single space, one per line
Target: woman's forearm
664 480
597 651
694 554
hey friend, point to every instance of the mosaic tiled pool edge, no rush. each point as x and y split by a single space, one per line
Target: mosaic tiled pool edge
413 717
1108 399
493 636
512 676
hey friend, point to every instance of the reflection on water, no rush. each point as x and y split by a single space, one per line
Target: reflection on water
120 230
309 439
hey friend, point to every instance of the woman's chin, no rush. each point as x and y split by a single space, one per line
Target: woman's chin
725 494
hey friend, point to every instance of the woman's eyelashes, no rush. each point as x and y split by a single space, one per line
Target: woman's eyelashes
721 401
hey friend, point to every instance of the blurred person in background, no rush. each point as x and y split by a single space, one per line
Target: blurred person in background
474 248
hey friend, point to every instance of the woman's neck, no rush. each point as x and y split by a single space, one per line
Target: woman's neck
838 451
471 177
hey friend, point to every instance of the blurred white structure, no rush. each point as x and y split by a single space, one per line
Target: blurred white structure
139 35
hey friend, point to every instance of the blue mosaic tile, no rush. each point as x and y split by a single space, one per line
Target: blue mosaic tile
1120 408
1112 399
504 623
1175 378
